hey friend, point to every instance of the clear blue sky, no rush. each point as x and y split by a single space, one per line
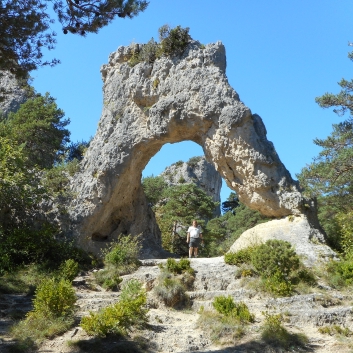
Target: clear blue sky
280 56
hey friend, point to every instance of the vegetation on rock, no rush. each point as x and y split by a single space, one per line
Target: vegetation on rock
118 319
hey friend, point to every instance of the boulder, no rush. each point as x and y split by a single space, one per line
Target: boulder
308 242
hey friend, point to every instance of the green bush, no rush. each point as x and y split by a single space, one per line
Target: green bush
179 267
173 41
221 329
124 253
274 257
54 298
278 285
335 330
69 270
170 289
240 257
275 334
193 161
340 273
226 306
36 328
109 278
119 318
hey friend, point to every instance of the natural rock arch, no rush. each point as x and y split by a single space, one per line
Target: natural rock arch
168 101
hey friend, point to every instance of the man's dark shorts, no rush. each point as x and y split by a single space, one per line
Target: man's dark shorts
194 242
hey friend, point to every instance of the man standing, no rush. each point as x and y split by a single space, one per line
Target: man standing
194 237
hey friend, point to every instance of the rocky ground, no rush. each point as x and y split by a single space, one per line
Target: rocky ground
173 330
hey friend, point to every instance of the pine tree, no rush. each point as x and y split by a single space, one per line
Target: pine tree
25 27
39 126
330 176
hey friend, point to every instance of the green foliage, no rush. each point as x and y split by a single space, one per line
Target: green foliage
329 177
54 298
19 186
278 285
170 289
193 161
56 180
124 252
221 329
39 126
185 203
182 266
154 188
27 245
276 335
120 259
222 232
340 273
68 270
277 264
240 257
275 257
119 318
231 203
29 333
25 25
226 306
335 330
173 41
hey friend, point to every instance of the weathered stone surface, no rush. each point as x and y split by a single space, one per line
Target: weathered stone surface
172 100
11 94
307 241
197 171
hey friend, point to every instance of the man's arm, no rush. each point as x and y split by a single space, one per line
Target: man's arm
188 237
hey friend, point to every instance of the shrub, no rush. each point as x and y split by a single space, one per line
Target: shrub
193 161
179 267
275 256
54 298
240 257
226 306
335 330
36 327
173 41
170 289
109 278
275 334
69 270
124 253
118 319
278 285
221 329
340 273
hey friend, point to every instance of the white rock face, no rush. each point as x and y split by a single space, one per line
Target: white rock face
169 101
11 94
307 241
199 172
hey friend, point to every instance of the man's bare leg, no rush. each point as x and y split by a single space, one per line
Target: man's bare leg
191 251
195 251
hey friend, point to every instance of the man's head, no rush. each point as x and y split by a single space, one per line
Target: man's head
194 223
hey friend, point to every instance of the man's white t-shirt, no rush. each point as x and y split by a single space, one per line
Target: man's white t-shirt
194 232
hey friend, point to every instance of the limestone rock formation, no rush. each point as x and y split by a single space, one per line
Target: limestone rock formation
11 94
168 101
307 241
198 171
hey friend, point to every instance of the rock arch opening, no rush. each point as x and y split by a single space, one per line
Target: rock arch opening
191 102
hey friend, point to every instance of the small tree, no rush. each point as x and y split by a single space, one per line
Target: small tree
185 203
39 126
330 176
154 188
